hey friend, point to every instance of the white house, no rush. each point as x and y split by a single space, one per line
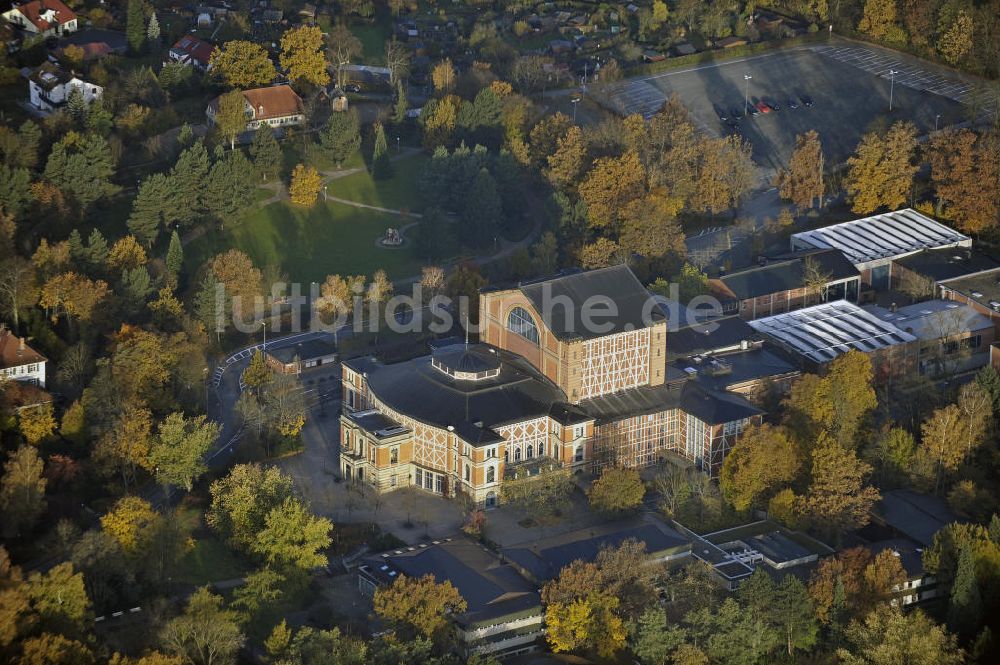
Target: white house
50 87
20 362
48 18
190 50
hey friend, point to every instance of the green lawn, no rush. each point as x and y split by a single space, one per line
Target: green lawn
401 191
210 561
373 37
310 244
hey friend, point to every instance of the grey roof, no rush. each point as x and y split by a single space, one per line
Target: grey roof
917 516
910 554
429 395
743 366
615 287
788 272
882 237
710 337
983 288
934 319
490 587
948 263
822 332
306 350
713 407
544 559
467 358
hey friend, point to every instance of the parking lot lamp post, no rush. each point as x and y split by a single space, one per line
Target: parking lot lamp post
892 85
574 102
746 94
324 194
263 324
936 118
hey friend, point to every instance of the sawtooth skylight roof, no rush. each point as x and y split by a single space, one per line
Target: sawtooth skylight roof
823 332
881 238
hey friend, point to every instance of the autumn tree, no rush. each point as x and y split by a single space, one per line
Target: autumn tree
802 182
72 295
293 537
422 605
123 449
302 55
849 585
36 423
724 172
242 500
617 490
18 287
650 228
179 449
956 42
763 460
397 60
879 20
613 182
964 172
567 163
305 185
231 116
943 440
544 138
236 271
242 64
887 636
443 77
880 173
131 522
206 633
22 490
337 294
585 624
838 499
126 254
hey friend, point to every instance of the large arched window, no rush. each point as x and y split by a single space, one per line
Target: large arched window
531 451
517 455
520 322
491 474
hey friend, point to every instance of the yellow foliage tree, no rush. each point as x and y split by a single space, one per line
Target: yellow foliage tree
612 183
617 490
443 76
72 294
758 465
302 55
880 173
588 623
243 64
36 423
305 186
126 254
130 522
420 604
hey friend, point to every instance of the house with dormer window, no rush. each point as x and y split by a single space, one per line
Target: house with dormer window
47 18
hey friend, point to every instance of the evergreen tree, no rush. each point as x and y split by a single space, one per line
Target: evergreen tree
77 252
266 152
482 213
149 210
76 104
434 235
30 137
228 190
381 166
175 255
153 29
83 170
399 113
185 136
187 181
341 137
965 606
433 178
207 310
135 26
97 249
135 288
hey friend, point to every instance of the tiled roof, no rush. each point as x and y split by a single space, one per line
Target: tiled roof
13 355
197 49
275 102
33 11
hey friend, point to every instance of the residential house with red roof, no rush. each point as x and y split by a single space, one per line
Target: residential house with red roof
20 362
190 50
277 106
48 18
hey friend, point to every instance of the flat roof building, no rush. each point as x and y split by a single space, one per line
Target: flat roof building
822 332
873 243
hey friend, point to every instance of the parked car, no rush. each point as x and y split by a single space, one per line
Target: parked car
763 107
792 104
774 105
736 112
806 100
352 87
754 111
721 112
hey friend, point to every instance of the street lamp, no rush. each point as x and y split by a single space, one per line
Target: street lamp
936 118
574 101
263 324
324 194
397 144
892 85
746 94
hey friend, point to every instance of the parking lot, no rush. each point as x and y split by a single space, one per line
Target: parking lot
847 86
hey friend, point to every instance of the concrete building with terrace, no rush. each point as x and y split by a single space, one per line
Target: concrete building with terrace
545 388
874 243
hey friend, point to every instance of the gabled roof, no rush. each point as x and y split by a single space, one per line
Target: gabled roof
196 49
14 352
278 101
614 297
787 273
35 10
